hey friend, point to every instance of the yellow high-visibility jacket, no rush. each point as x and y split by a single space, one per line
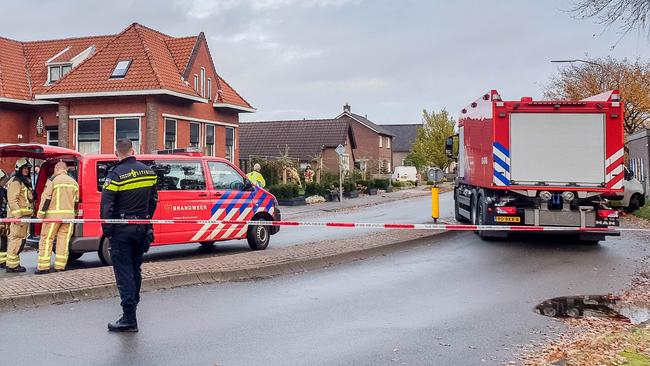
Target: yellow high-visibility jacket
20 199
256 178
59 198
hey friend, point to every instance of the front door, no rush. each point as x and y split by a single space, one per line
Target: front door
182 194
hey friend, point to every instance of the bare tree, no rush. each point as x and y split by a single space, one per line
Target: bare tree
628 14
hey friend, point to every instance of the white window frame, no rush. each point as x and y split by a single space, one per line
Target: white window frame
175 132
115 132
196 82
190 134
61 75
77 132
48 139
209 88
214 138
234 142
388 143
203 82
381 141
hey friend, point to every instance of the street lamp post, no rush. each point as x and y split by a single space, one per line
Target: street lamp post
602 69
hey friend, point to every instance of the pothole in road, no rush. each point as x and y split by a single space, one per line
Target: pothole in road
595 306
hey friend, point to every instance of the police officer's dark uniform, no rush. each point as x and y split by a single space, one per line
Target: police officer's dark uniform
129 193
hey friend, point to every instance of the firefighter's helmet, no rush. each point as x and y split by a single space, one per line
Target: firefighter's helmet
21 163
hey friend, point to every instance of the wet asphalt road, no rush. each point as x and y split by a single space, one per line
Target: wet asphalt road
455 300
413 210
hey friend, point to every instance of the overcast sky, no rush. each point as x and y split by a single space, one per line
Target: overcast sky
295 59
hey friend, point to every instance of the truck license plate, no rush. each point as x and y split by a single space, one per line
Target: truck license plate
507 219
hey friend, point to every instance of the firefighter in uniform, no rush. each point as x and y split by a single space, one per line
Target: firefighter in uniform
20 198
4 227
59 201
129 193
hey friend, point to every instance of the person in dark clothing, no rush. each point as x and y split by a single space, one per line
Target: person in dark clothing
129 192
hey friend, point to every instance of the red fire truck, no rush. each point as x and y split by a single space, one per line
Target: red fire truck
540 163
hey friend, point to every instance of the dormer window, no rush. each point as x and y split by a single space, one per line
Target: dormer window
56 72
121 69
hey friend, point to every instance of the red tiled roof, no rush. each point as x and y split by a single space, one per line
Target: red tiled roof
38 52
181 49
229 95
13 71
158 62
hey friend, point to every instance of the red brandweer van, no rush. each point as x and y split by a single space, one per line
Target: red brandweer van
190 186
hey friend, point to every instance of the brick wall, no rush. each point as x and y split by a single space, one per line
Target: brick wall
368 147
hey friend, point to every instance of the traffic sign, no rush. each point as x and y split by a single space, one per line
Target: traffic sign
435 175
340 149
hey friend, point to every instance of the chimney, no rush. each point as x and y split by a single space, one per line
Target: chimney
346 108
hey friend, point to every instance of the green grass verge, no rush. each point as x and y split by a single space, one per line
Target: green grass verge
643 212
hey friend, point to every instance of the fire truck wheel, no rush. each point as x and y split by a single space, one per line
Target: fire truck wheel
258 237
103 253
474 209
481 217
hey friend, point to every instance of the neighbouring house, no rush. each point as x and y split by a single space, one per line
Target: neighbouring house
638 146
368 145
83 93
306 141
403 137
374 152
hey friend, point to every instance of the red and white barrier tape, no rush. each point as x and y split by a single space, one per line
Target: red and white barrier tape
350 225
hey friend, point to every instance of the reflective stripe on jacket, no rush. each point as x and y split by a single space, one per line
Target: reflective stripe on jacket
59 198
20 198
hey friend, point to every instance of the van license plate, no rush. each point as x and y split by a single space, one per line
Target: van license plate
507 219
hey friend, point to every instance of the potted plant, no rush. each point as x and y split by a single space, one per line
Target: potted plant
350 190
371 189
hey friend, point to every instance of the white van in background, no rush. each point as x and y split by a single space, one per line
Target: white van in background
633 196
404 173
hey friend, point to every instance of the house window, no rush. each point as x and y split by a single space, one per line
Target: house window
388 142
381 141
56 72
203 82
209 89
230 143
128 128
121 69
209 140
195 135
88 136
196 82
53 137
170 133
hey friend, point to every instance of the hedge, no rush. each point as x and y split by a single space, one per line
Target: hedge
281 191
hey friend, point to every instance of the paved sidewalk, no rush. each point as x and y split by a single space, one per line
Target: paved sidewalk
320 209
94 283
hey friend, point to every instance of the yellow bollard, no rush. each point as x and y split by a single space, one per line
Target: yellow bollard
435 204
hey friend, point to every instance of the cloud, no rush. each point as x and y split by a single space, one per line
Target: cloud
202 9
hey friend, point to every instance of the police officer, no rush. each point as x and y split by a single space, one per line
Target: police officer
256 177
4 227
20 197
129 193
59 201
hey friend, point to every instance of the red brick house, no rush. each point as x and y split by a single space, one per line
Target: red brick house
374 143
368 145
83 93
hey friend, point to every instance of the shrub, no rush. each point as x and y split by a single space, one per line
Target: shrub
398 184
349 186
282 191
315 189
381 184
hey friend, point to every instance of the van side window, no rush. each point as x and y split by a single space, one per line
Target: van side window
102 170
179 175
224 177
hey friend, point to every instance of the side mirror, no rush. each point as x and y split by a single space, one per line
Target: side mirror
449 147
248 185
